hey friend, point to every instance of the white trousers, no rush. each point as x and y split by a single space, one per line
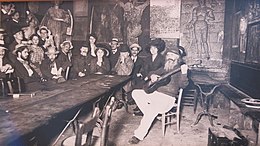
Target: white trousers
151 105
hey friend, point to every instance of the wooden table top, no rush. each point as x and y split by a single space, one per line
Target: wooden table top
23 115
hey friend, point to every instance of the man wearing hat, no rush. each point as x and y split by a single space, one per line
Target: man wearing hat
136 82
124 63
24 71
50 68
65 57
5 64
136 74
124 66
163 99
114 55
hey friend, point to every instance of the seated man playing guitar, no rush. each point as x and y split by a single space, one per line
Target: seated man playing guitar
151 102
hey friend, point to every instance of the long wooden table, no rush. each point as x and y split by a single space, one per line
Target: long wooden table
27 120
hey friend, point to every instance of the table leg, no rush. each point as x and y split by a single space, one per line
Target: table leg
210 117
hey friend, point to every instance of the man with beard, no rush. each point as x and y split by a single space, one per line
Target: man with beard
163 99
24 71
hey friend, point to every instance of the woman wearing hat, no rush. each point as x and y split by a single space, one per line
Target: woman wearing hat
46 37
156 59
100 64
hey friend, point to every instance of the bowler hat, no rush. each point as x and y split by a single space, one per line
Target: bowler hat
124 48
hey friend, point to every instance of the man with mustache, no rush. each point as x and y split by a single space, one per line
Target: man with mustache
163 99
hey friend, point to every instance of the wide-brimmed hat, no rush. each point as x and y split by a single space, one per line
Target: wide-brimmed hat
43 28
158 43
51 50
102 47
136 46
66 42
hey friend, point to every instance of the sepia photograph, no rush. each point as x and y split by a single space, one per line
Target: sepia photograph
130 72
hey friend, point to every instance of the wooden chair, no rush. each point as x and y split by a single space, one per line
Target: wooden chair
84 131
168 116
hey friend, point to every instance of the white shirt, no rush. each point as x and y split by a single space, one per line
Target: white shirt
54 69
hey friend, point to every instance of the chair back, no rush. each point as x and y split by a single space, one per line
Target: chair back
179 100
167 116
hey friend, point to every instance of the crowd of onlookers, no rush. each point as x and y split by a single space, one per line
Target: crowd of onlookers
31 52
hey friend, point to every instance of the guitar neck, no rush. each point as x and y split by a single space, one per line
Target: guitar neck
170 73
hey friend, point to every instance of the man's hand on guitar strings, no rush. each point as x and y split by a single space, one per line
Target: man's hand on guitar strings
154 77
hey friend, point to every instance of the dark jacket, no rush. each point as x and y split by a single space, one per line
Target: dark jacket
64 62
104 69
177 81
46 68
138 68
153 65
81 64
5 61
32 83
113 58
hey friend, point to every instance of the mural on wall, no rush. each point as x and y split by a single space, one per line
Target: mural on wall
165 18
106 21
118 18
202 27
252 16
132 19
201 15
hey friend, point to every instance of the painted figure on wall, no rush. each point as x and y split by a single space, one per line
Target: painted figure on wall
132 19
199 23
103 26
59 22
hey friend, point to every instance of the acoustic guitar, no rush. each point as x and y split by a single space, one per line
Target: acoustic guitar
150 87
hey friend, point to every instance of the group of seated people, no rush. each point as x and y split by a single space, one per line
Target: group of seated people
38 62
